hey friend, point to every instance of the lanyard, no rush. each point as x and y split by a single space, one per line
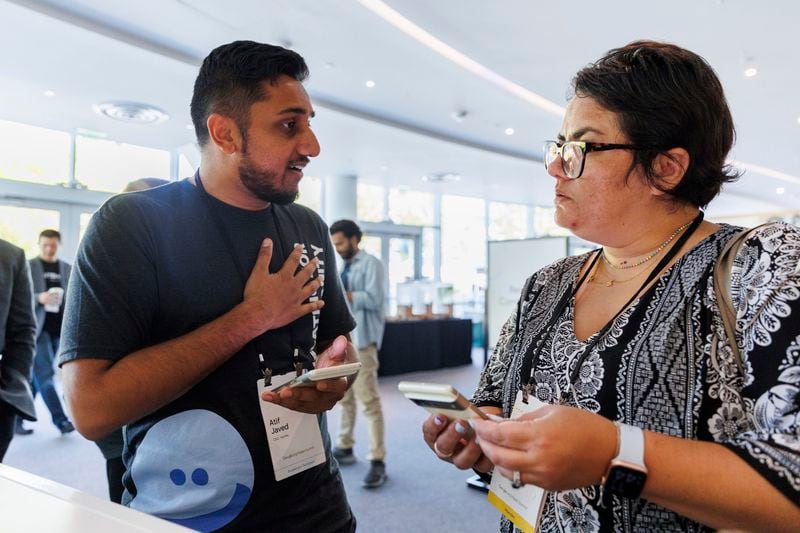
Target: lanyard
257 344
534 351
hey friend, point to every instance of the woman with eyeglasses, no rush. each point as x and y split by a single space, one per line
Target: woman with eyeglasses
628 406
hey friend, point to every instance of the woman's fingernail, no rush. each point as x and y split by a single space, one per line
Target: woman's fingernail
438 420
460 428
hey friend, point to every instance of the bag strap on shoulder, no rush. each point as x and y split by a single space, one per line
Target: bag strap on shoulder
722 289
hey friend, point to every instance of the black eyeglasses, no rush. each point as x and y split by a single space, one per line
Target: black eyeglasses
573 154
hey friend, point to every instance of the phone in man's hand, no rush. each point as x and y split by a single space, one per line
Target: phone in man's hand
310 378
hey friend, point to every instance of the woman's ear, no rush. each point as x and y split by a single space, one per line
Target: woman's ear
669 169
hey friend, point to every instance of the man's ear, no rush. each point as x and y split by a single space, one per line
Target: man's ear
669 168
224 133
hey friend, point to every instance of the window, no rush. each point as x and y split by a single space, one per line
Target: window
28 153
311 193
544 222
429 253
370 202
507 221
401 261
84 224
185 168
371 245
464 245
21 226
104 165
411 207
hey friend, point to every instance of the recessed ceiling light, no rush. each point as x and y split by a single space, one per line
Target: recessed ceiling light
384 168
509 131
798 120
190 126
48 93
750 72
370 84
131 112
780 190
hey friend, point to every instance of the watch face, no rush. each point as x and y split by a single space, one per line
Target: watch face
624 481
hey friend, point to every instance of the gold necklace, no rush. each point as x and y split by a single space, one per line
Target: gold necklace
624 264
611 282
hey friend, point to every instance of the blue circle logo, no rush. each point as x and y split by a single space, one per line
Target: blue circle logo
194 469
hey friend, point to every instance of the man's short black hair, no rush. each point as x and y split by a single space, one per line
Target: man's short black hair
231 81
49 234
348 227
666 97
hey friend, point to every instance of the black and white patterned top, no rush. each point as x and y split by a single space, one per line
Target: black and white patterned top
665 366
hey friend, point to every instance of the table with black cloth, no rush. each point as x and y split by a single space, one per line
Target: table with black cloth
413 345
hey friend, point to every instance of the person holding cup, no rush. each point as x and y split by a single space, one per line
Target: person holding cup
50 277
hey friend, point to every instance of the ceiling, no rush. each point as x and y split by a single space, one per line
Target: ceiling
504 57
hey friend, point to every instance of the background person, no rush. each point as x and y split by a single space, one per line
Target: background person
17 335
631 333
364 283
185 299
50 277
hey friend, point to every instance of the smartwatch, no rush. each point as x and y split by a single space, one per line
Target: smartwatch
627 474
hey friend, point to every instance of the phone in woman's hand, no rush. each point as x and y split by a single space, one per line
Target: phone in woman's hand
438 398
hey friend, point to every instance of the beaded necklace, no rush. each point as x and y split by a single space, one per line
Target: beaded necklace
624 264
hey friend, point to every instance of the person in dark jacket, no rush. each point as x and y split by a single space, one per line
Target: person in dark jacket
17 334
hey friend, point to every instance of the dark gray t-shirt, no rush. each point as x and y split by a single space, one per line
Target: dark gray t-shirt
153 266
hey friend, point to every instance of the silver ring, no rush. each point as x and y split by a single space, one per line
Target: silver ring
516 479
439 452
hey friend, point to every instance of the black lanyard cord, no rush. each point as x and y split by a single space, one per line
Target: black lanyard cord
533 352
280 249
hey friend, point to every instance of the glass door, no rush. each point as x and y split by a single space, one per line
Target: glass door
22 219
21 225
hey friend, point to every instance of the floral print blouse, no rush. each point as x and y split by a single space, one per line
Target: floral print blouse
665 365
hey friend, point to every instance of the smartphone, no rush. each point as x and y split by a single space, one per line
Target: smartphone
309 378
439 398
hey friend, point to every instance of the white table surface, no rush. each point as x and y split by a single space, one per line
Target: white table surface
32 504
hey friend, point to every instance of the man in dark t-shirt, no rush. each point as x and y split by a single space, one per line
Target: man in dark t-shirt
50 277
189 302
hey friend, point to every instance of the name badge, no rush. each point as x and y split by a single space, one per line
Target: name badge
523 505
295 442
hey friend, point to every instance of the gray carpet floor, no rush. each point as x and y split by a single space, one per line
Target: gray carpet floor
422 494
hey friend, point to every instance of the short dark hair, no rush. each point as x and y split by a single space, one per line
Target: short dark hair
348 227
231 81
49 234
666 97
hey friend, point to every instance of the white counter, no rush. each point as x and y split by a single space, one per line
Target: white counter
31 504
